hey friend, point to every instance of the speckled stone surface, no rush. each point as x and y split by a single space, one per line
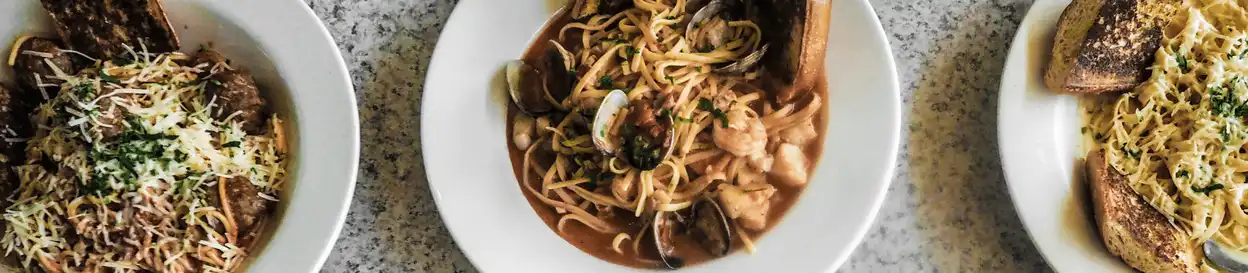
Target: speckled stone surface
947 209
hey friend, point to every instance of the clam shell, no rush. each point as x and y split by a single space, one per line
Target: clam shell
525 88
745 64
615 101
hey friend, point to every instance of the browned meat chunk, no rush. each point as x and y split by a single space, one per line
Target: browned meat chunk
236 92
245 204
31 67
112 117
105 28
209 57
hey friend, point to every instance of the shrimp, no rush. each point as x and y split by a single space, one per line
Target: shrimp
744 135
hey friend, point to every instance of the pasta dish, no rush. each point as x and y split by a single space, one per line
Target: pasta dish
1180 138
142 163
643 131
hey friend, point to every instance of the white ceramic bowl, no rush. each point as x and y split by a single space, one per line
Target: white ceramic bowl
299 68
465 148
1039 136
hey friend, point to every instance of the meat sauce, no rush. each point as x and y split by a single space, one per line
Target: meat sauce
599 244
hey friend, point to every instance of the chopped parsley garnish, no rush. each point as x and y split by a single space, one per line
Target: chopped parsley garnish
109 79
668 112
698 69
670 79
617 40
1224 102
131 149
597 179
1206 190
1132 153
605 81
1182 63
627 129
669 17
232 144
706 105
706 48
84 91
1181 173
629 51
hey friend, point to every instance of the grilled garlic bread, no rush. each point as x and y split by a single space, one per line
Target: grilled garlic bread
105 28
1132 229
801 29
1106 45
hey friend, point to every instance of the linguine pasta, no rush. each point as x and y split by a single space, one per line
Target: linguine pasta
1180 138
646 52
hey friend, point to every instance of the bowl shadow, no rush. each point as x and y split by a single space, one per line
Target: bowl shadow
965 214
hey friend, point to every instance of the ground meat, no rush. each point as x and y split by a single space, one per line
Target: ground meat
209 57
246 205
237 92
112 117
29 67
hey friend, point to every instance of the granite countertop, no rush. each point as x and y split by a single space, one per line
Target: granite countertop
947 209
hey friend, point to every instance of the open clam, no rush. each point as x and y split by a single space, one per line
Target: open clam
663 230
525 87
710 227
645 138
560 68
712 33
707 225
538 89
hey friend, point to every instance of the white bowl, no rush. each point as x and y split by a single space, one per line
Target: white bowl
465 149
298 67
1039 134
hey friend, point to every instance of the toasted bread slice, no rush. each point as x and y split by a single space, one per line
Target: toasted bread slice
104 28
1106 45
1132 229
798 33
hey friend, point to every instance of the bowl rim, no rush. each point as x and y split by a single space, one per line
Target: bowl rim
312 67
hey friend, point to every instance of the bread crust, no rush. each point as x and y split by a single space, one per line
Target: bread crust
104 28
1132 229
1110 51
798 33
